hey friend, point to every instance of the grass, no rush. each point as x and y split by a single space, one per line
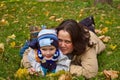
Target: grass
17 15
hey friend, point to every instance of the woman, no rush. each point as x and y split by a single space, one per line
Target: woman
81 46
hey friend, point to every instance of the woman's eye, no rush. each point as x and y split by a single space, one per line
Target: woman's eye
59 40
67 42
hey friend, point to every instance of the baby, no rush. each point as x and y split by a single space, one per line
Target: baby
46 57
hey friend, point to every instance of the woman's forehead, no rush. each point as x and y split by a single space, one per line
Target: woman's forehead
62 34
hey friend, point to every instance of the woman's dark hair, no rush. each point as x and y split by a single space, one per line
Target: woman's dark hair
80 35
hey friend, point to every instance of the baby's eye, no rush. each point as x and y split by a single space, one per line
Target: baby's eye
52 49
44 49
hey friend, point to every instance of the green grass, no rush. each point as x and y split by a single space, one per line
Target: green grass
20 14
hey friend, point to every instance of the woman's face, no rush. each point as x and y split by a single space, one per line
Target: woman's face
65 43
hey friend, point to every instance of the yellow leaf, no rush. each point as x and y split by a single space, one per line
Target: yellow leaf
12 44
66 76
59 19
104 30
3 22
56 74
47 13
80 15
1 47
81 11
2 5
52 17
11 37
113 47
108 22
20 73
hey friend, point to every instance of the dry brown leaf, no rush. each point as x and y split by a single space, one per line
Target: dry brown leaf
47 13
1 47
3 22
104 38
52 17
97 31
66 76
111 74
59 19
118 6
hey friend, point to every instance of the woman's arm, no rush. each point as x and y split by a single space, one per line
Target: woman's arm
89 65
32 60
88 60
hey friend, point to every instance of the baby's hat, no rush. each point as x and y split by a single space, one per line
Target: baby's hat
48 37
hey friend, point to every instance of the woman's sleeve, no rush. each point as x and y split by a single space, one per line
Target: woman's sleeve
33 62
25 62
99 45
89 63
88 67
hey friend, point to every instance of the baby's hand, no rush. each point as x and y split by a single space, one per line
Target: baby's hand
31 71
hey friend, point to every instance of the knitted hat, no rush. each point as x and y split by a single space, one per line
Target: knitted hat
48 37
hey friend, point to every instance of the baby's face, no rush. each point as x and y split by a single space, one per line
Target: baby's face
48 51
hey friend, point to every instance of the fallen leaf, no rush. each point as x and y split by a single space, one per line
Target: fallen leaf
104 30
66 76
1 47
47 13
104 38
3 22
108 22
52 17
113 47
111 74
56 74
80 15
20 73
97 31
118 6
16 21
59 19
12 36
12 44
